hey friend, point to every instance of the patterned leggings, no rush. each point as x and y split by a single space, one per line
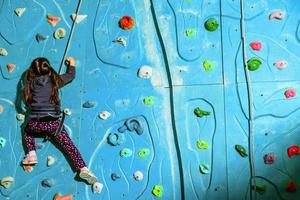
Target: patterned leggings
62 139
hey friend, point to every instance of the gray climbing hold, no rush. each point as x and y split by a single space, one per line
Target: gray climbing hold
59 33
40 38
145 72
7 181
48 182
79 18
89 104
20 11
3 52
121 41
115 176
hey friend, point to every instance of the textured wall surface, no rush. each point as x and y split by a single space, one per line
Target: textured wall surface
190 156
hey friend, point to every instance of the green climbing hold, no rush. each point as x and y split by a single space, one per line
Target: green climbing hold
200 113
208 65
211 24
149 100
204 168
201 144
59 33
241 150
157 190
254 63
191 32
144 152
260 188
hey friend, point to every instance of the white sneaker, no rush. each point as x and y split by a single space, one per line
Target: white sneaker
30 158
87 175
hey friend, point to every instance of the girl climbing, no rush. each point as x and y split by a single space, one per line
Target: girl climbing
41 96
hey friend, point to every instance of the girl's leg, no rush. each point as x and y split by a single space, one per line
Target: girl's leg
29 141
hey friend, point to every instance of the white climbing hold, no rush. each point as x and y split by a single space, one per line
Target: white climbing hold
280 64
50 161
67 111
20 117
138 175
20 11
79 18
7 181
60 33
3 52
145 72
277 15
104 115
97 187
120 40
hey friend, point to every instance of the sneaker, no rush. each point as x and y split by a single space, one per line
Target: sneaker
88 176
30 158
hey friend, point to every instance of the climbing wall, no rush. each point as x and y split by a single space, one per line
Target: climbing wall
186 99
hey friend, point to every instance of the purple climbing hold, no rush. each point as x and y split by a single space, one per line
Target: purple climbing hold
269 158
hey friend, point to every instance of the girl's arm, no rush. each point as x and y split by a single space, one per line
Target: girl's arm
70 73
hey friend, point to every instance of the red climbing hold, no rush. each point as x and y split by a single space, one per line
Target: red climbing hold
290 93
291 186
1 108
52 20
126 22
256 46
293 150
10 67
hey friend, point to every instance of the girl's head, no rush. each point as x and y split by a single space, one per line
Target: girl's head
41 67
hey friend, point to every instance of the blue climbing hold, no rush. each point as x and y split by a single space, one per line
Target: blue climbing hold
40 38
89 104
132 124
115 176
47 182
116 139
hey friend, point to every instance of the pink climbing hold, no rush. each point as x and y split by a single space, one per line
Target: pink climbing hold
277 15
291 186
269 158
52 20
256 46
27 168
280 64
58 196
293 150
1 108
290 93
10 67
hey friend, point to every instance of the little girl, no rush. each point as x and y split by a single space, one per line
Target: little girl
42 98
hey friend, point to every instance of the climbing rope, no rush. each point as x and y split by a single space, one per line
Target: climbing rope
70 36
250 106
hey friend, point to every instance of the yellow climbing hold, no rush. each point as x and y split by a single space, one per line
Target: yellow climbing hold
202 144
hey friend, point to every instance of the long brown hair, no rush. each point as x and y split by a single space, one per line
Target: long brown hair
41 66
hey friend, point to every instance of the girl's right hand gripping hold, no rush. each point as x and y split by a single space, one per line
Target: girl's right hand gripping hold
71 61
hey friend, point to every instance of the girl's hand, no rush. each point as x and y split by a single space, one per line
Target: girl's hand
71 61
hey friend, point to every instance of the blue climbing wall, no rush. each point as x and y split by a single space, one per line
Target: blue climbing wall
159 132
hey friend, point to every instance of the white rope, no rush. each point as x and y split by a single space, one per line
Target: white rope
250 106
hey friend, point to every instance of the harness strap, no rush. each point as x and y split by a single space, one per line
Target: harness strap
58 130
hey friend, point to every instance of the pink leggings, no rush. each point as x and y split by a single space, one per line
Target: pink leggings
34 127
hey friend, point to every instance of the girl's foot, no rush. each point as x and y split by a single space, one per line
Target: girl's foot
30 158
87 175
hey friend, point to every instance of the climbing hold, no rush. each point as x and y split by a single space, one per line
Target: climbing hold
256 46
126 22
67 111
89 104
269 158
121 41
3 52
280 64
208 65
7 181
149 100
277 15
116 138
134 124
40 38
47 182
10 67
138 175
253 63
20 11
1 109
201 113
204 168
59 33
52 20
290 93
79 18
20 117
241 150
40 145
144 152
115 176
27 168
97 187
211 24
58 196
157 190
145 72
291 186
260 188
2 142
50 161
104 115
124 153
201 144
191 32
293 150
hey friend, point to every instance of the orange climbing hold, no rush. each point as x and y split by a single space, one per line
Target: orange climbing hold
10 67
126 22
1 108
58 196
52 20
